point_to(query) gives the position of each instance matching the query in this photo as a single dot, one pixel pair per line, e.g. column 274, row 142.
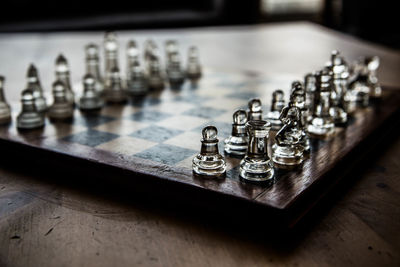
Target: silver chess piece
column 209, row 162
column 90, row 100
column 321, row 124
column 93, row 65
column 255, row 110
column 155, row 77
column 35, row 85
column 256, row 165
column 310, row 91
column 30, row 117
column 5, row 110
column 136, row 79
column 175, row 73
column 193, row 70
column 171, row 48
column 337, row 66
column 114, row 91
column 150, row 50
column 62, row 109
column 63, row 75
column 278, row 102
column 236, row 144
column 110, row 54
column 298, row 99
column 288, row 148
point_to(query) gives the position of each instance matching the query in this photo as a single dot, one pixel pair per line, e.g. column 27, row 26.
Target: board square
column 92, row 120
column 182, row 122
column 175, row 107
column 156, row 133
column 121, row 127
column 126, row 145
column 204, row 112
column 90, row 138
column 153, row 116
column 166, row 154
column 189, row 140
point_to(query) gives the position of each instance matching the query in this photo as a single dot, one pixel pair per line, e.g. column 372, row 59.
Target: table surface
column 44, row 223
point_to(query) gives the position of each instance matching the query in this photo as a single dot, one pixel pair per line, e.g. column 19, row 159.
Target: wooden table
column 48, row 223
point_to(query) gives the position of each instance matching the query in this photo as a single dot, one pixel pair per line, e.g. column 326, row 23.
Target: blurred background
column 371, row 20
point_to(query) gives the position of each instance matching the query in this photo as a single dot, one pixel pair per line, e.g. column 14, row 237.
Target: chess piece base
column 30, row 120
column 61, row 111
column 236, row 145
column 321, row 127
column 90, row 104
column 287, row 155
column 211, row 166
column 256, row 170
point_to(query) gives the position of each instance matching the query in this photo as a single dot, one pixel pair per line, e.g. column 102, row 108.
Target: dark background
column 369, row 19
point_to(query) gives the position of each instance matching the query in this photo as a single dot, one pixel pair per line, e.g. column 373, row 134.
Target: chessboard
column 153, row 140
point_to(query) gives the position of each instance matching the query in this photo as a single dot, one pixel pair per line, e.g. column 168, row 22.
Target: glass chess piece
column 193, row 70
column 209, row 162
column 93, row 66
column 176, row 75
column 61, row 109
column 321, row 124
column 114, row 92
column 256, row 165
column 255, row 110
column 110, row 55
column 36, row 87
column 30, row 117
column 150, row 52
column 236, row 144
column 137, row 82
column 372, row 66
column 63, row 75
column 288, row 148
column 278, row 102
column 310, row 91
column 337, row 66
column 5, row 110
column 155, row 77
column 90, row 100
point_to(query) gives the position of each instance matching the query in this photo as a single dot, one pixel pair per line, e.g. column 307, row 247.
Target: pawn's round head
column 110, row 41
column 61, row 64
column 240, row 117
column 277, row 95
column 1, row 81
column 32, row 71
column 255, row 105
column 92, row 50
column 27, row 95
column 210, row 133
column 58, row 87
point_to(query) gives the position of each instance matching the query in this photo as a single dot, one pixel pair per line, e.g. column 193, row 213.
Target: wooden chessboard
column 153, row 140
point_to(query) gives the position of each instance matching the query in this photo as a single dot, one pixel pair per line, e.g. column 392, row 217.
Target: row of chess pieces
column 325, row 100
column 97, row 90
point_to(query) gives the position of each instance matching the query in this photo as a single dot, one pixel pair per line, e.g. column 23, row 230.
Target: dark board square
column 156, row 133
column 191, row 98
column 149, row 116
column 166, row 154
column 233, row 173
column 90, row 138
column 204, row 112
column 92, row 120
column 145, row 101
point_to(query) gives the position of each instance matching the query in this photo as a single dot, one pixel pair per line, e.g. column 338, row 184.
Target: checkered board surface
column 162, row 131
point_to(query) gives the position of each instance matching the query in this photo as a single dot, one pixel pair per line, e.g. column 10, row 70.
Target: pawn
column 176, row 75
column 30, row 117
column 255, row 110
column 236, row 144
column 309, row 88
column 137, row 82
column 90, row 100
column 93, row 66
column 155, row 78
column 62, row 109
column 110, row 53
column 288, row 149
column 62, row 74
column 5, row 111
column 278, row 102
column 209, row 162
column 114, row 91
column 193, row 70
column 36, row 87
column 321, row 124
column 372, row 66
column 256, row 165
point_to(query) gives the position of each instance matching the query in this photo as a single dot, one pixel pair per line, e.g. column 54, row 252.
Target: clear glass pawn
column 278, row 102
column 61, row 109
column 209, row 162
column 310, row 91
column 255, row 110
column 93, row 66
column 256, row 165
column 155, row 77
column 63, row 75
column 90, row 100
column 114, row 91
column 176, row 75
column 5, row 110
column 236, row 144
column 193, row 70
column 36, row 87
column 110, row 54
column 30, row 117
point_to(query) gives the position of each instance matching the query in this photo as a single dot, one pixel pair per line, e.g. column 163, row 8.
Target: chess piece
column 321, row 125
column 62, row 109
column 255, row 110
column 193, row 70
column 288, row 148
column 62, row 74
column 5, row 111
column 176, row 75
column 34, row 84
column 337, row 66
column 114, row 91
column 132, row 54
column 137, row 82
column 155, row 78
column 209, row 162
column 256, row 165
column 150, row 51
column 90, row 100
column 110, row 54
column 171, row 48
column 236, row 144
column 30, row 117
column 375, row 88
column 93, row 66
column 278, row 102
column 310, row 90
